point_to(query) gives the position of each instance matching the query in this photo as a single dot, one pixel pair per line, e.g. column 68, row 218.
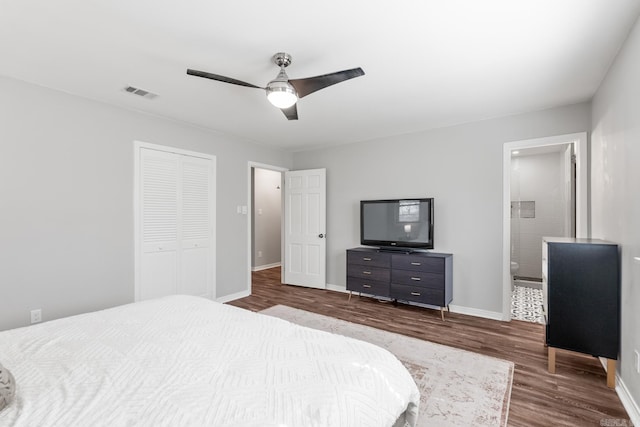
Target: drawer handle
column 416, row 263
column 415, row 294
column 416, row 279
column 366, row 286
column 366, row 259
column 366, row 272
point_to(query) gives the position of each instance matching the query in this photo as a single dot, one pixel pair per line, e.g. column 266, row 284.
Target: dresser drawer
column 418, row 263
column 417, row 278
column 374, row 259
column 418, row 294
column 368, row 286
column 369, row 273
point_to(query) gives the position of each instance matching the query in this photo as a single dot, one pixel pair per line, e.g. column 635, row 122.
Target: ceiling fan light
column 281, row 94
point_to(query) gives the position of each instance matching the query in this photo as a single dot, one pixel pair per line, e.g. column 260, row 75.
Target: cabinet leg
column 551, row 352
column 611, row 373
column 350, row 296
column 442, row 313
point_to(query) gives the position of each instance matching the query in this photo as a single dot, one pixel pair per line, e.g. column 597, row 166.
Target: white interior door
column 305, row 228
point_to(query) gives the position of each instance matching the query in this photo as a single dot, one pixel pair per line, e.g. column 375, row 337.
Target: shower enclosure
column 542, row 204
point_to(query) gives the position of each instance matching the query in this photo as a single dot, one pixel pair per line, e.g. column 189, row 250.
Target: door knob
column 321, row 235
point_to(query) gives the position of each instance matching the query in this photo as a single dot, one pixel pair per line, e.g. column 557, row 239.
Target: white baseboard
column 337, row 288
column 454, row 308
column 493, row 315
column 633, row 410
column 266, row 266
column 233, row 297
column 630, row 405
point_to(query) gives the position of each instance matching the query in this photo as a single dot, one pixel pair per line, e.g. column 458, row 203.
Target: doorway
column 302, row 227
column 522, row 234
column 265, row 218
column 542, row 204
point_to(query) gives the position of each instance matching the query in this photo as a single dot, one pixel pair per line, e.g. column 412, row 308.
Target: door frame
column 579, row 141
column 282, row 170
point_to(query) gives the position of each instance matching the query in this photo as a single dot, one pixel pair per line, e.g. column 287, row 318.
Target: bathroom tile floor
column 526, row 304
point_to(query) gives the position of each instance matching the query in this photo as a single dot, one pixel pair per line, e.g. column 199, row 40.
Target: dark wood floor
column 577, row 395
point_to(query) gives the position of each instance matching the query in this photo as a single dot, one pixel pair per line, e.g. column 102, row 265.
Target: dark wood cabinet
column 581, row 298
column 418, row 277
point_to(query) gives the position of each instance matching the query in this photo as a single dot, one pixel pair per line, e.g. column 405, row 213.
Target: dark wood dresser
column 416, row 277
column 581, row 298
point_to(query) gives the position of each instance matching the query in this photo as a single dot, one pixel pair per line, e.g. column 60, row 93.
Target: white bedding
column 187, row 361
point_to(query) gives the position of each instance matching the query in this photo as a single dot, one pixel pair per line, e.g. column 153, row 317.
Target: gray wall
column 267, row 215
column 66, row 194
column 615, row 188
column 461, row 167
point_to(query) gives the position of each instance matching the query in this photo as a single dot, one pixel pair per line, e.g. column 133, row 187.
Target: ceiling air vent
column 140, row 92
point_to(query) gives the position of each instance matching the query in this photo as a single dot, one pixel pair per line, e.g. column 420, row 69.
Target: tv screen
column 398, row 223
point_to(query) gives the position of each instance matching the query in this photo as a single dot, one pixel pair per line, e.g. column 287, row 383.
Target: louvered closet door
column 196, row 227
column 176, row 225
column 159, row 221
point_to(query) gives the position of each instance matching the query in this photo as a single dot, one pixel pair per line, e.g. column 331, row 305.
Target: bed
column 189, row 361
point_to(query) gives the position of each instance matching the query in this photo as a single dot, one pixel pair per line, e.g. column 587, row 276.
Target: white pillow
column 7, row 387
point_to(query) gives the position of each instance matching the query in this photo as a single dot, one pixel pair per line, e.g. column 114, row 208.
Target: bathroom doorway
column 542, row 204
column 545, row 194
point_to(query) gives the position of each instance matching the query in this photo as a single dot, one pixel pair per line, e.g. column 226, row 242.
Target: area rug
column 457, row 387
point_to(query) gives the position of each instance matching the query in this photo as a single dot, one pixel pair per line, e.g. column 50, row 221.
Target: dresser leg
column 442, row 313
column 350, row 296
column 611, row 373
column 551, row 352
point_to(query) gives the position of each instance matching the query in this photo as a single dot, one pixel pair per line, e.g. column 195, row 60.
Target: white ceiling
column 428, row 63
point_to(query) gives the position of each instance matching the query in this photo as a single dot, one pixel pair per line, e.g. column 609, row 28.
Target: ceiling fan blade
column 309, row 85
column 220, row 78
column 291, row 113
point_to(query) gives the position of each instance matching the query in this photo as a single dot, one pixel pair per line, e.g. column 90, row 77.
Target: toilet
column 514, row 270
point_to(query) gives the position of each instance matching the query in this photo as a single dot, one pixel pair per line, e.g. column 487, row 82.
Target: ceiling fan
column 283, row 92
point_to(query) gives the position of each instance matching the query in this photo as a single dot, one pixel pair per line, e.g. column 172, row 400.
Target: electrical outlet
column 259, row 254
column 36, row 316
column 636, row 356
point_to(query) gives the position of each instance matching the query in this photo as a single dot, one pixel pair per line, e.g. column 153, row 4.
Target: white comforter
column 187, row 361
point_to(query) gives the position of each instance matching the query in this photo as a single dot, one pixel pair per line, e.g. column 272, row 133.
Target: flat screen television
column 401, row 224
